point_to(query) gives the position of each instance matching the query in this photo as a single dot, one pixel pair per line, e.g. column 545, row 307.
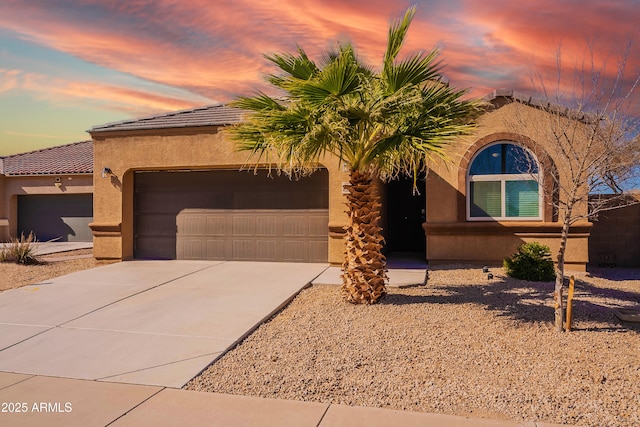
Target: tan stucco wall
column 13, row 186
column 450, row 237
column 180, row 150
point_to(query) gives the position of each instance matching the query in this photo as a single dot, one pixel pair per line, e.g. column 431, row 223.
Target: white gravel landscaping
column 462, row 345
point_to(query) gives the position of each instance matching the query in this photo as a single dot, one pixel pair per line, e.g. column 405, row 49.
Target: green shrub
column 531, row 262
column 20, row 251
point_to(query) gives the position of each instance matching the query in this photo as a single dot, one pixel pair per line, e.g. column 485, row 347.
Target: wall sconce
column 106, row 171
column 57, row 182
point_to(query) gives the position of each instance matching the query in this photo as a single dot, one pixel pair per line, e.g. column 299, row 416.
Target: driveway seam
column 26, row 339
column 106, row 379
column 324, row 414
column 19, row 382
column 136, row 406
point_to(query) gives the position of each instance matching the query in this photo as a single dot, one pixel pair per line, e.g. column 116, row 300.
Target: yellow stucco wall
column 125, row 153
column 13, row 186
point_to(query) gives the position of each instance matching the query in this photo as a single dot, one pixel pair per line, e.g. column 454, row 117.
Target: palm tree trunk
column 364, row 272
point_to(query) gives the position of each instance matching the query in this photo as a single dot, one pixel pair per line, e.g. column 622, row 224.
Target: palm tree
column 380, row 124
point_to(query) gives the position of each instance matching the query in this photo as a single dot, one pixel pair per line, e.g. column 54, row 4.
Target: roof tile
column 211, row 115
column 64, row 159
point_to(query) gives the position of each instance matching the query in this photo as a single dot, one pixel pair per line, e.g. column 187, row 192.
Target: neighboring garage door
column 231, row 215
column 63, row 217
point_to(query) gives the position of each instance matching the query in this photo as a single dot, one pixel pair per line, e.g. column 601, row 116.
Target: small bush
column 20, row 251
column 531, row 262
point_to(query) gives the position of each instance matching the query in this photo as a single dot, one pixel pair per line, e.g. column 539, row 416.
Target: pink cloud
column 9, row 79
column 59, row 91
column 534, row 34
column 215, row 48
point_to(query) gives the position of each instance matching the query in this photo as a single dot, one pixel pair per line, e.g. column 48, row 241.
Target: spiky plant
column 380, row 123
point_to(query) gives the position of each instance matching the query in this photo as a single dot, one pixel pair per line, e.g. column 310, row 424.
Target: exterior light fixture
column 57, row 182
column 106, row 171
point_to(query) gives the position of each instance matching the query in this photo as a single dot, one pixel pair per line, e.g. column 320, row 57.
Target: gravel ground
column 462, row 345
column 17, row 275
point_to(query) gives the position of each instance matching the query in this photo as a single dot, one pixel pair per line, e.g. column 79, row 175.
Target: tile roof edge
column 105, row 126
column 540, row 103
column 45, row 149
column 58, row 173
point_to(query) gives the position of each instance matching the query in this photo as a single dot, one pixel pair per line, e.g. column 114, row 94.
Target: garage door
column 64, row 217
column 231, row 215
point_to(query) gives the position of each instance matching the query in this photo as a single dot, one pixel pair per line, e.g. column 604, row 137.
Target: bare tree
column 592, row 149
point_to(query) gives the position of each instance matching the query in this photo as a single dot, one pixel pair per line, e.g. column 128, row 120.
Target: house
column 48, row 192
column 481, row 207
column 171, row 187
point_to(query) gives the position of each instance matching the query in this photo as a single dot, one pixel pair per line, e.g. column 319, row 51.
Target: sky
column 68, row 65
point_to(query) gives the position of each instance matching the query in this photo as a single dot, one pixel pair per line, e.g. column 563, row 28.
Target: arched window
column 503, row 184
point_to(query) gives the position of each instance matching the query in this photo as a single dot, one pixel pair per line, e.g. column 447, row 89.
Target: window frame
column 503, row 179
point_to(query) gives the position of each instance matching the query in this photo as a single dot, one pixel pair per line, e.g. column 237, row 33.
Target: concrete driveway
column 141, row 322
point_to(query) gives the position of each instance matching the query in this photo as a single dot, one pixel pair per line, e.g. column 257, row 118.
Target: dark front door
column 405, row 215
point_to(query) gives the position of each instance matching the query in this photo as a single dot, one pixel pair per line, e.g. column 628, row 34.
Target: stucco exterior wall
column 183, row 149
column 450, row 237
column 13, row 186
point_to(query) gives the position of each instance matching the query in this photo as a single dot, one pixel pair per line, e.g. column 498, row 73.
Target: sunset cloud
column 63, row 92
column 213, row 51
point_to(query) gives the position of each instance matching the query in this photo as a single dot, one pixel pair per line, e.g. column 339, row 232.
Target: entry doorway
column 405, row 214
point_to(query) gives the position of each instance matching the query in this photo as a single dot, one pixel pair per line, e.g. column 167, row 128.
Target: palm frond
column 336, row 79
column 259, row 102
column 397, row 34
column 297, row 66
column 414, row 70
column 387, row 123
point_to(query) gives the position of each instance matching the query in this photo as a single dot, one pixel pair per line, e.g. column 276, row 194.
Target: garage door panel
column 218, row 249
column 157, row 224
column 192, row 224
column 156, row 247
column 244, row 250
column 295, row 250
column 295, row 225
column 243, row 225
column 230, row 215
column 318, row 225
column 267, row 225
column 318, row 251
column 266, row 250
column 191, row 248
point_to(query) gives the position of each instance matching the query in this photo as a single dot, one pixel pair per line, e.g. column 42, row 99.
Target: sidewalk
column 70, row 402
